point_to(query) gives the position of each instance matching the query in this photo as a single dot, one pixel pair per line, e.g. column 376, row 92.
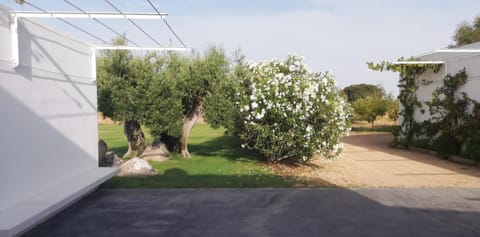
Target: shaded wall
column 48, row 125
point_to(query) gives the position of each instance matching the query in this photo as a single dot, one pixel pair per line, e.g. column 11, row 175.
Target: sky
column 335, row 35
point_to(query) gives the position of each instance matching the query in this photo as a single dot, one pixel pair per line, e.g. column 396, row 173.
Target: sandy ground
column 369, row 161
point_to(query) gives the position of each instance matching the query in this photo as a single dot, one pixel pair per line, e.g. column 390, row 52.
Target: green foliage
column 185, row 82
column 163, row 105
column 362, row 91
column 121, row 82
column 289, row 112
column 454, row 125
column 393, row 108
column 370, row 108
column 467, row 33
column 409, row 75
column 220, row 109
column 217, row 162
column 160, row 91
column 454, row 122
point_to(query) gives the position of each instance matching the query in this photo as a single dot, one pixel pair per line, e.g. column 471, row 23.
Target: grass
column 113, row 135
column 379, row 128
column 382, row 124
column 217, row 161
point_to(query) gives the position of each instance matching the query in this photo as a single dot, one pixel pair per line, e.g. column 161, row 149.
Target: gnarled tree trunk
column 135, row 138
column 188, row 122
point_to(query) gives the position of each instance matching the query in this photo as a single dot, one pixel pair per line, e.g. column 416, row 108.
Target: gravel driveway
column 368, row 160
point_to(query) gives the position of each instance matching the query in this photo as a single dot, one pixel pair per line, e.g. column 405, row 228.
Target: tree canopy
column 362, row 91
column 182, row 88
column 467, row 33
column 370, row 108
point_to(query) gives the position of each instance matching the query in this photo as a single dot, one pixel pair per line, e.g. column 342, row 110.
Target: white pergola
column 440, row 56
column 97, row 17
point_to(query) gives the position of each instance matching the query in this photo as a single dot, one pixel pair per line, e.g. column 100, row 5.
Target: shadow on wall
column 269, row 212
column 48, row 57
column 34, row 154
column 4, row 19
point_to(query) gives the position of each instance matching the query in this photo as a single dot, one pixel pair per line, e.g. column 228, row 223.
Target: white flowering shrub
column 290, row 112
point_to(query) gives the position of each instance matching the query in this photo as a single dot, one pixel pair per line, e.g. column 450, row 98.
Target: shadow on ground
column 226, row 146
column 270, row 212
column 178, row 178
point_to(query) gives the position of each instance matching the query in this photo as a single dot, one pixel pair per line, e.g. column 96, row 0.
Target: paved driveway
column 271, row 212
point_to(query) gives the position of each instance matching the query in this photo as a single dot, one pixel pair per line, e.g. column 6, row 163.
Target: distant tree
column 467, row 33
column 362, row 91
column 369, row 108
column 393, row 107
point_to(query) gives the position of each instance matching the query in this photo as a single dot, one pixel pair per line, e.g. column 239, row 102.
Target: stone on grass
column 102, row 149
column 155, row 152
column 112, row 159
column 136, row 167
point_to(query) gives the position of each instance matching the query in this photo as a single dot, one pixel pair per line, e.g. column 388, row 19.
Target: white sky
column 336, row 35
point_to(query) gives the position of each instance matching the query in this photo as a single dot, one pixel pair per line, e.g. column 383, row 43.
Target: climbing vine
column 454, row 125
column 409, row 75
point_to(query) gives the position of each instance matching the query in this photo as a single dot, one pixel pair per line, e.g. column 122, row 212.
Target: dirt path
column 369, row 161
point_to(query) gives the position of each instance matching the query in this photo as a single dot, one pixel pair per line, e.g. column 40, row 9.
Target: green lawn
column 217, row 161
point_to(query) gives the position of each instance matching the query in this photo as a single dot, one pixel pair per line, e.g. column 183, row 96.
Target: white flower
column 254, row 105
column 292, row 68
column 259, row 116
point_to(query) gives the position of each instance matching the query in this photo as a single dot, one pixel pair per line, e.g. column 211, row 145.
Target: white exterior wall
column 48, row 122
column 472, row 66
column 424, row 92
column 472, row 88
column 48, row 111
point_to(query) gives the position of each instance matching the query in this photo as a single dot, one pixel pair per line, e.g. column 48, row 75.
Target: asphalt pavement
column 336, row 212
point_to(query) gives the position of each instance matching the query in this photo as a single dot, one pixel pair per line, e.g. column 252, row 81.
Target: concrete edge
column 66, row 199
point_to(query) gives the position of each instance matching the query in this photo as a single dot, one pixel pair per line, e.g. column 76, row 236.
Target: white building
column 452, row 60
column 48, row 123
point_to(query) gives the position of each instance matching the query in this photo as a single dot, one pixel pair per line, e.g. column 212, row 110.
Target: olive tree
column 120, row 76
column 182, row 89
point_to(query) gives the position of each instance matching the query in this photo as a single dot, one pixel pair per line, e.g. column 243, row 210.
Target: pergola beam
column 86, row 15
column 122, row 47
column 417, row 62
column 97, row 15
column 457, row 51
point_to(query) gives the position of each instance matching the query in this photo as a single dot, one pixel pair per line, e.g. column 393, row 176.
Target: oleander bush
column 289, row 112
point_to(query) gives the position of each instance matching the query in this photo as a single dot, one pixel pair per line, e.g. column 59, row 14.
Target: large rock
column 155, row 152
column 102, row 150
column 112, row 160
column 136, row 167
